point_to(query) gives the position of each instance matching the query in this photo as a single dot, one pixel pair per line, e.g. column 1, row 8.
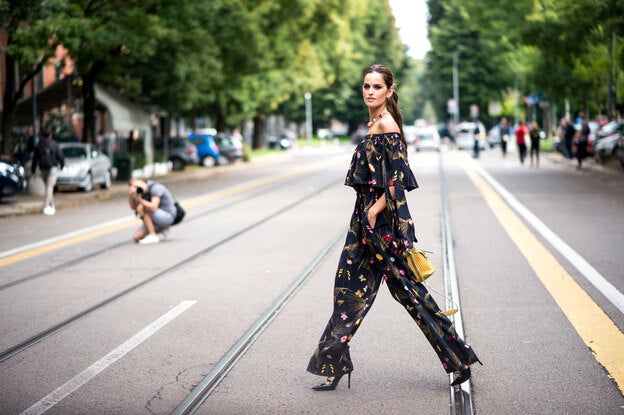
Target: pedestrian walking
column 48, row 157
column 568, row 137
column 155, row 205
column 381, row 230
column 476, row 138
column 581, row 145
column 534, row 134
column 504, row 131
column 522, row 134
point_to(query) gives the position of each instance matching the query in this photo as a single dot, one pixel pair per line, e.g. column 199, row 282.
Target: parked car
column 465, row 136
column 85, row 167
column 620, row 149
column 208, row 153
column 427, row 138
column 231, row 148
column 182, row 152
column 12, row 177
column 283, row 141
column 607, row 147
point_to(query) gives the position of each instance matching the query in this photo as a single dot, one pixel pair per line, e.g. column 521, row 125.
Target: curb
column 27, row 204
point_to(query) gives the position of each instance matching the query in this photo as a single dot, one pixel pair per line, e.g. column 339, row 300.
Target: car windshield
column 75, row 152
column 224, row 141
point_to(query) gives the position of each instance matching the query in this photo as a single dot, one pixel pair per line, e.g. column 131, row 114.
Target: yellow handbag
column 422, row 269
column 420, row 265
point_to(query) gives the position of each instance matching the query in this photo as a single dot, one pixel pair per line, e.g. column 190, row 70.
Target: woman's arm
column 379, row 206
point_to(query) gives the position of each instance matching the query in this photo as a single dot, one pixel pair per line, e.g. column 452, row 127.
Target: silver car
column 427, row 138
column 85, row 167
column 466, row 134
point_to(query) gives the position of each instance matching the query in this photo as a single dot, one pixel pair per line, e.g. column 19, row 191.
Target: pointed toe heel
column 461, row 376
column 330, row 385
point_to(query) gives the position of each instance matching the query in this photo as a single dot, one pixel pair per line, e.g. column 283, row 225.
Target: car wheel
column 598, row 158
column 107, row 180
column 208, row 161
column 223, row 161
column 177, row 164
column 89, row 185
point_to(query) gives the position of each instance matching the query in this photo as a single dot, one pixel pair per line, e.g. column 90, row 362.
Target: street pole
column 455, row 87
column 308, row 106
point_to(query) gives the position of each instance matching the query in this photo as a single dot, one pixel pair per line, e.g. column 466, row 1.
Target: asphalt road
column 134, row 329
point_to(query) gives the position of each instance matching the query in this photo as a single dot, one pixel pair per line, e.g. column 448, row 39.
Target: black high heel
column 332, row 383
column 461, row 376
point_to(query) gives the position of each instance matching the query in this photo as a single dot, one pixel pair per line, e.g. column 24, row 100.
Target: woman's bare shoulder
column 387, row 124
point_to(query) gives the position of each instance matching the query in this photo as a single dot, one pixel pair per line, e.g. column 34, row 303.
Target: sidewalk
column 611, row 167
column 28, row 203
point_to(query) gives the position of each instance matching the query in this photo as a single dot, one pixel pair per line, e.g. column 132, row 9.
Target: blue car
column 207, row 149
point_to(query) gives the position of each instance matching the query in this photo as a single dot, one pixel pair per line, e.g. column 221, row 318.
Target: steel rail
column 461, row 397
column 201, row 392
column 26, row 344
column 75, row 261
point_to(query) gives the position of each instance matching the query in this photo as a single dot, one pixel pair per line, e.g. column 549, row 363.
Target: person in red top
column 522, row 132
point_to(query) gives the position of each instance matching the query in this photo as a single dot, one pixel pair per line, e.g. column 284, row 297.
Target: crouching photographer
column 155, row 205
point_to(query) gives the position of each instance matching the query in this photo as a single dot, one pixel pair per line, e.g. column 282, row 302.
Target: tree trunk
column 258, row 132
column 8, row 106
column 88, row 94
column 221, row 125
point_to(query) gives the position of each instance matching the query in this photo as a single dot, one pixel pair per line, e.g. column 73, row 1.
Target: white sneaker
column 150, row 239
column 164, row 234
column 49, row 210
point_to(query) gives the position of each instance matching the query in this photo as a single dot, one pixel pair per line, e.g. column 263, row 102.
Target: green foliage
column 557, row 49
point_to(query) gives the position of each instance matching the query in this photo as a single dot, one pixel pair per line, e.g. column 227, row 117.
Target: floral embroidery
column 376, row 255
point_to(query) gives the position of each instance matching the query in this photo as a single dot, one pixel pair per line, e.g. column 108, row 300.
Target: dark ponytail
column 392, row 103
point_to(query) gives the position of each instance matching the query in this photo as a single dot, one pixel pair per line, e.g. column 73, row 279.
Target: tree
column 555, row 49
column 109, row 36
column 32, row 30
column 482, row 33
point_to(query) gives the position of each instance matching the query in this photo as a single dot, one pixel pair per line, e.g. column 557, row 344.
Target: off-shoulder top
column 380, row 160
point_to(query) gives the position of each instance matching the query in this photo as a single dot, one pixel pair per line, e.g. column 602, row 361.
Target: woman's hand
column 378, row 207
column 372, row 217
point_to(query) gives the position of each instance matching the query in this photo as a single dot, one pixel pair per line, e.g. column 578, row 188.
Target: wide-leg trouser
column 366, row 262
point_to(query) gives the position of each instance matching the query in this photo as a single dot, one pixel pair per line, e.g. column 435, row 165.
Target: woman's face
column 374, row 90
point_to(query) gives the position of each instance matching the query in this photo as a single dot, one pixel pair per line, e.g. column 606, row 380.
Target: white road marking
column 585, row 268
column 89, row 373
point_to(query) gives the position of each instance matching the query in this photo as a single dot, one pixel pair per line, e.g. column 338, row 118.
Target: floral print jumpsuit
column 373, row 255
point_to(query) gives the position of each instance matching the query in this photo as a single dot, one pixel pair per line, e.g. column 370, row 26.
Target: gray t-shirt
column 166, row 198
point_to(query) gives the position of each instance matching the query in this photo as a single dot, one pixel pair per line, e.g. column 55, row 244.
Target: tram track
column 44, row 334
column 104, row 250
column 460, row 397
column 208, row 384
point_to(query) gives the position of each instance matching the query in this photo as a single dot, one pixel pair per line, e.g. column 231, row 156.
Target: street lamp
column 455, row 87
column 308, row 106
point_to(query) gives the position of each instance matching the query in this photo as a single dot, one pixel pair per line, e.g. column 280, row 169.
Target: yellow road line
column 30, row 253
column 596, row 329
column 202, row 200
